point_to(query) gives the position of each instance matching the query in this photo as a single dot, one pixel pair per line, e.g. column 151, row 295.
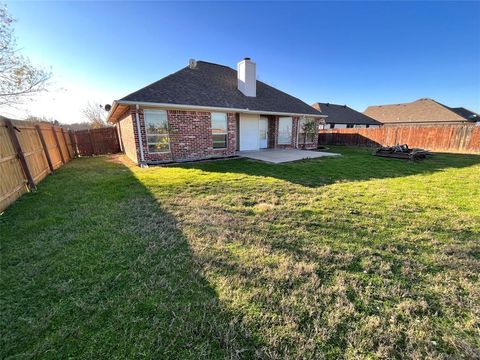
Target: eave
column 119, row 107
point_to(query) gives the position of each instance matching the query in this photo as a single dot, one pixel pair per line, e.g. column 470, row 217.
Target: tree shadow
column 355, row 164
column 94, row 267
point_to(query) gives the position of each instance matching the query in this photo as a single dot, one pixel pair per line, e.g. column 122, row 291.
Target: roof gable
column 342, row 114
column 216, row 86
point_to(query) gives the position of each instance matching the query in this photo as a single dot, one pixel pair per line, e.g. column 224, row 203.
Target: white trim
column 209, row 108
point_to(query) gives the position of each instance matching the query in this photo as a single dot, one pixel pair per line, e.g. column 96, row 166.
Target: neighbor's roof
column 342, row 114
column 467, row 114
column 422, row 110
column 213, row 85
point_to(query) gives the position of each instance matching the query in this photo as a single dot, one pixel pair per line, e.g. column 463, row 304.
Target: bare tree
column 96, row 115
column 42, row 119
column 18, row 78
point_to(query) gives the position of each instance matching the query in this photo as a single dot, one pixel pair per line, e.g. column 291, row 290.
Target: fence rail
column 453, row 138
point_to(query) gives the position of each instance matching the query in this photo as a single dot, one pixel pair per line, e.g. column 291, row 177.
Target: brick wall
column 190, row 135
column 293, row 144
column 127, row 137
column 272, row 132
column 314, row 143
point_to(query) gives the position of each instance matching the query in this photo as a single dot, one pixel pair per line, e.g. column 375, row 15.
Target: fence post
column 45, row 149
column 58, row 144
column 21, row 157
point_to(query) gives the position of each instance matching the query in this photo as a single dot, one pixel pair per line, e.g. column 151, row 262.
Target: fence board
column 62, row 144
column 32, row 149
column 68, row 142
column 12, row 182
column 454, row 138
column 51, row 145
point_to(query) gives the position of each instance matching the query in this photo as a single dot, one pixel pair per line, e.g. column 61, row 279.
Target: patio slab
column 278, row 156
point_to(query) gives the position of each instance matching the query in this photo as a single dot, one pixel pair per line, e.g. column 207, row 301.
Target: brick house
column 207, row 110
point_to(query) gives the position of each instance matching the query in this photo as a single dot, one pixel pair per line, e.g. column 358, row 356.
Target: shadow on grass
column 93, row 267
column 356, row 164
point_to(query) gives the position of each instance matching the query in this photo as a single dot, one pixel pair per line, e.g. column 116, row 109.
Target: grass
column 355, row 257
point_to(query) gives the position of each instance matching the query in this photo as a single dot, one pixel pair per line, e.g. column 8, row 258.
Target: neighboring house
column 342, row 117
column 421, row 112
column 206, row 111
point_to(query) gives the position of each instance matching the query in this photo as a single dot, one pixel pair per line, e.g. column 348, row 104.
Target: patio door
column 263, row 132
column 249, row 134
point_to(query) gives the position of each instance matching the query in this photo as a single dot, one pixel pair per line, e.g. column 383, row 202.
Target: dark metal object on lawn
column 402, row 152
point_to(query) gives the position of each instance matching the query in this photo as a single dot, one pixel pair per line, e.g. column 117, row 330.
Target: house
column 208, row 110
column 342, row 116
column 421, row 112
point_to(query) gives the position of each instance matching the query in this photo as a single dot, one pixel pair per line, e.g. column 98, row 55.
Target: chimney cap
column 247, row 58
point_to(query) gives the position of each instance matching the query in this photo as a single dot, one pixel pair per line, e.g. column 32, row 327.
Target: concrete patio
column 278, row 156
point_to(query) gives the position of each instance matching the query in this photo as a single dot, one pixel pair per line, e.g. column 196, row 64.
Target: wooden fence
column 96, row 141
column 449, row 138
column 28, row 153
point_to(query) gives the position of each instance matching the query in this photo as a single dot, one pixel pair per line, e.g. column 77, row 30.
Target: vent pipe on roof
column 247, row 77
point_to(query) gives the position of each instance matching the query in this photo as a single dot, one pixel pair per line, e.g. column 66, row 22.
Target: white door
column 263, row 132
column 249, row 139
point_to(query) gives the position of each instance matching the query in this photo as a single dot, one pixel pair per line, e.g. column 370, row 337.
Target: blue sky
column 355, row 53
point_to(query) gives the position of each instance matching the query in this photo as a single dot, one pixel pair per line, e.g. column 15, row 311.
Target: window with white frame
column 285, row 125
column 156, row 128
column 219, row 130
column 307, row 131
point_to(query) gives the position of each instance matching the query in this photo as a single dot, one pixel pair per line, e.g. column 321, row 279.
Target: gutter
column 195, row 107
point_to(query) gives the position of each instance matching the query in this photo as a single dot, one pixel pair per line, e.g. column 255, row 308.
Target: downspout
column 140, row 142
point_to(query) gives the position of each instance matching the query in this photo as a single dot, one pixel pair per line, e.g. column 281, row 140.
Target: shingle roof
column 342, row 114
column 422, row 110
column 215, row 85
column 467, row 114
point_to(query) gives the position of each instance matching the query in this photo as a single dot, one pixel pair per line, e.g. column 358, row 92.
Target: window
column 156, row 127
column 349, row 126
column 367, row 126
column 219, row 130
column 307, row 131
column 285, row 130
column 332, row 126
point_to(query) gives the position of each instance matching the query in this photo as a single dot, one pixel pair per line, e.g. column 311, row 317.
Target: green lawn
column 351, row 257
